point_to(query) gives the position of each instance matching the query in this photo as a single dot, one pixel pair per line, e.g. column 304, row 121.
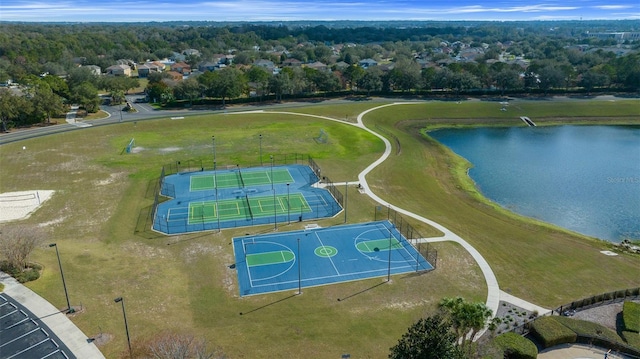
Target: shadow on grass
column 362, row 291
column 269, row 304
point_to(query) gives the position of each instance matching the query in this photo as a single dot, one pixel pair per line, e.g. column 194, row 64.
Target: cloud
column 612, row 7
column 272, row 10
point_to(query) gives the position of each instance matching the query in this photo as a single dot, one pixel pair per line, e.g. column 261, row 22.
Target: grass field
column 185, row 283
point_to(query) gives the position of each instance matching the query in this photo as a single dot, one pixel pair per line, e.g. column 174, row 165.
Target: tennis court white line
column 251, row 280
column 381, row 270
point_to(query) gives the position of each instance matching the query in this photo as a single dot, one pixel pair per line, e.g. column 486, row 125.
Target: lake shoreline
column 460, row 168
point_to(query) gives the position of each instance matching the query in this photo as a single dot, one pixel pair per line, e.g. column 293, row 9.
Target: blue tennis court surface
column 235, row 197
column 308, row 258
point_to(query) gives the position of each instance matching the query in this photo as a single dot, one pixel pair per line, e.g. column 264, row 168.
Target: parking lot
column 22, row 335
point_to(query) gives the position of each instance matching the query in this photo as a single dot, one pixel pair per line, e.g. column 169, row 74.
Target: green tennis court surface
column 254, row 207
column 239, row 179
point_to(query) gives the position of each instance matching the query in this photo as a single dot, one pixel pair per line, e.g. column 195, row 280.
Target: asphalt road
column 143, row 112
column 147, row 112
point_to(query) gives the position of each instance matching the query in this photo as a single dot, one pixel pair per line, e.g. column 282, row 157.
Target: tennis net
column 249, row 206
column 241, row 179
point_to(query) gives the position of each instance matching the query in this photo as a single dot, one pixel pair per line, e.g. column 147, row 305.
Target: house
column 266, row 64
column 181, row 67
column 191, row 52
column 153, row 66
column 176, row 76
column 176, row 56
column 127, row 62
column 119, row 70
column 96, row 70
column 341, row 65
column 317, row 66
column 143, row 70
column 366, row 63
column 208, row 66
column 292, row 63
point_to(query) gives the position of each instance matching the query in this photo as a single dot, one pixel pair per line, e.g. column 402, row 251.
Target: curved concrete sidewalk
column 579, row 351
column 77, row 342
column 493, row 290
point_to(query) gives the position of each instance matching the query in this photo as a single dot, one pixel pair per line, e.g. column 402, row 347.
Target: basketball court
column 298, row 259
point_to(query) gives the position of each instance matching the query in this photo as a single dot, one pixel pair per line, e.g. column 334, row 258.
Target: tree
column 353, row 74
column 179, row 346
column 18, row 241
column 159, row 92
column 86, row 95
column 81, row 75
column 226, row 83
column 174, row 345
column 466, row 318
column 371, row 81
column 188, row 89
column 428, row 338
column 405, row 75
column 507, row 79
column 280, row 84
column 46, row 102
column 592, row 79
column 8, row 108
column 260, row 76
column 550, row 77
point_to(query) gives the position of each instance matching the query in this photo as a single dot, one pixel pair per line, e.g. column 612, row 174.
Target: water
column 583, row 178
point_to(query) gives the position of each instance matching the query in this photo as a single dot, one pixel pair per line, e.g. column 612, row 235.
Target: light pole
column 126, row 327
column 288, row 206
column 389, row 270
column 299, row 277
column 260, row 136
column 64, row 284
column 213, row 140
column 275, row 212
column 271, row 156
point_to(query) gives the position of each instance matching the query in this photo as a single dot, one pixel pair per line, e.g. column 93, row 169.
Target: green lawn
column 185, row 282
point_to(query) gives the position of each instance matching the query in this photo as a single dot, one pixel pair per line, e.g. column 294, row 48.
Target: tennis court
column 240, row 197
column 285, row 261
column 239, row 178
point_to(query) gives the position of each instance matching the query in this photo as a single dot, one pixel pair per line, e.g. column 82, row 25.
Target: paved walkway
column 63, row 327
column 578, row 351
column 71, row 118
column 493, row 290
column 494, row 294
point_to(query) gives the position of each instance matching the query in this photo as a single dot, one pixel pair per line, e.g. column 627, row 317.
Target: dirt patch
column 101, row 339
column 169, row 149
column 113, row 177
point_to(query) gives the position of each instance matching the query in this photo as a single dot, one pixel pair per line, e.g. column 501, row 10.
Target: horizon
column 87, row 11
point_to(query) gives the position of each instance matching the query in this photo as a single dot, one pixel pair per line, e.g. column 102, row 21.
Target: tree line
column 45, row 60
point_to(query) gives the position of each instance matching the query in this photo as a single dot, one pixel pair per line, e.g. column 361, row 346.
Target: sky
column 297, row 10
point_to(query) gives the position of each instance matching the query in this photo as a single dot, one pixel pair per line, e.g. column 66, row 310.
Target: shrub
column 631, row 316
column 589, row 329
column 1, row 287
column 550, row 332
column 632, row 339
column 28, row 274
column 515, row 346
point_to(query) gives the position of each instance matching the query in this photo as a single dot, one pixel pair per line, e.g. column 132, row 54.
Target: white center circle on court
column 325, row 251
